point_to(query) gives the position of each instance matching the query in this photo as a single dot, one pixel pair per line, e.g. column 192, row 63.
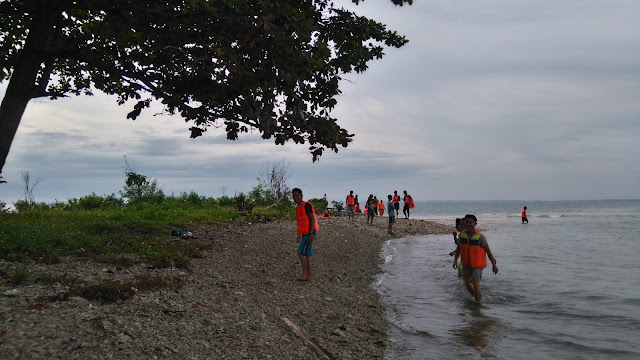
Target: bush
column 338, row 205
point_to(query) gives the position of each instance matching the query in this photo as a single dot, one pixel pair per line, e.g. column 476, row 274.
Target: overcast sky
column 490, row 100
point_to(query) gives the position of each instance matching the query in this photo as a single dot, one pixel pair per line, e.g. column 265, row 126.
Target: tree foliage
column 240, row 65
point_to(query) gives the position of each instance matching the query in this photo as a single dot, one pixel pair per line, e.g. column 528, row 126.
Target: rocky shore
column 228, row 304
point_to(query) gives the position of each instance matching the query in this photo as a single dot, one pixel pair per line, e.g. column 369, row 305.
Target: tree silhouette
column 238, row 65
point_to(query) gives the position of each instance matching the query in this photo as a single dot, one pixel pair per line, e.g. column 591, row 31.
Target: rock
column 11, row 293
column 124, row 338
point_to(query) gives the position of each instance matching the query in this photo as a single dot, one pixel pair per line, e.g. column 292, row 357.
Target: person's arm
column 312, row 221
column 455, row 259
column 490, row 255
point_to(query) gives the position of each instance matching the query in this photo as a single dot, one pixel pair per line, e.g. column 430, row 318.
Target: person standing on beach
column 351, row 203
column 307, row 230
column 408, row 201
column 392, row 215
column 474, row 250
column 396, row 202
column 523, row 213
column 371, row 213
column 376, row 204
column 381, row 207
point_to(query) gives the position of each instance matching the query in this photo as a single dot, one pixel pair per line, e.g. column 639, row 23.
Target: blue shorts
column 392, row 219
column 474, row 271
column 350, row 208
column 305, row 248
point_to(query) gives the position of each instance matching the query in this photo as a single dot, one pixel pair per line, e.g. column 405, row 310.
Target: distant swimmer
column 524, row 215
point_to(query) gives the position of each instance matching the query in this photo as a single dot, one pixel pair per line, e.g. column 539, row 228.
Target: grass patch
column 103, row 229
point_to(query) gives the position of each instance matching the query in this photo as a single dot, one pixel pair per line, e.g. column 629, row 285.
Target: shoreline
column 230, row 305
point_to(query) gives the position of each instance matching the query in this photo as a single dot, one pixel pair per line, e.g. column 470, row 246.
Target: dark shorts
column 406, row 207
column 525, row 219
column 396, row 206
column 306, row 248
column 392, row 219
column 370, row 214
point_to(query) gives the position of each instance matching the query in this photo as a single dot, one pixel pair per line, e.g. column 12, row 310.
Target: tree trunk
column 22, row 85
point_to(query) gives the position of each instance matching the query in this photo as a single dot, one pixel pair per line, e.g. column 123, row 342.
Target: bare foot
column 302, row 278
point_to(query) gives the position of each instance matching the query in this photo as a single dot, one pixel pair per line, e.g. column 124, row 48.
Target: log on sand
column 321, row 352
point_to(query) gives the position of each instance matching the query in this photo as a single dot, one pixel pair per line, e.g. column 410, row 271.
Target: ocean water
column 568, row 285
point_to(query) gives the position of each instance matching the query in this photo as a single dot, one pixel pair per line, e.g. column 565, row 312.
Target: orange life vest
column 351, row 200
column 523, row 213
column 470, row 250
column 396, row 199
column 303, row 218
column 381, row 205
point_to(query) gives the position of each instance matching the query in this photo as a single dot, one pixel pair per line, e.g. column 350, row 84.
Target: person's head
column 525, row 208
column 405, row 192
column 458, row 224
column 471, row 221
column 389, row 197
column 395, row 192
column 297, row 195
column 375, row 197
column 351, row 192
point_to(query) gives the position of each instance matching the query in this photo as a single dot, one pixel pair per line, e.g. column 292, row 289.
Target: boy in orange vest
column 474, row 250
column 307, row 230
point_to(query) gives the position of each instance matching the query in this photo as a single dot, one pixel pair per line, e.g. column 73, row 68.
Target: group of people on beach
column 472, row 248
column 308, row 221
column 375, row 207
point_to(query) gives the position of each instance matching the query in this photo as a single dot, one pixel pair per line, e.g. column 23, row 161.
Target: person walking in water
column 523, row 213
column 307, row 230
column 474, row 250
column 351, row 203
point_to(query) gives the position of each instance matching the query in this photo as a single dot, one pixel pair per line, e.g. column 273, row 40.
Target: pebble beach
column 231, row 301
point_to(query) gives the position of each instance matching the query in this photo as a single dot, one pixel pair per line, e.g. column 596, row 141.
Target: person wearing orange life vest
column 381, row 207
column 307, row 230
column 474, row 250
column 351, row 203
column 371, row 213
column 396, row 202
column 523, row 213
column 408, row 204
column 376, row 204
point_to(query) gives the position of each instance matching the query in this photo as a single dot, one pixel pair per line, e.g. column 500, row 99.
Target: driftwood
column 321, row 352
